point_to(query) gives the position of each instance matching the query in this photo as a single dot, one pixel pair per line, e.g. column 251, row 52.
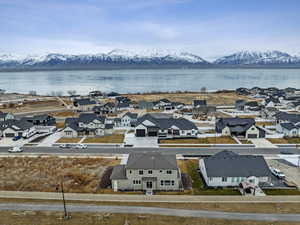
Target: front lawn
column 114, row 138
column 282, row 192
column 284, row 140
column 199, row 188
column 208, row 140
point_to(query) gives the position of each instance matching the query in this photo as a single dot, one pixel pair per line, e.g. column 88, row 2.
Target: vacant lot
column 114, row 138
column 64, row 114
column 284, row 140
column 68, row 140
column 209, row 140
column 45, row 173
column 187, row 98
column 51, row 218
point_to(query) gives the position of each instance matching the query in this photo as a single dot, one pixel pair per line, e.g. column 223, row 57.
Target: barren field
column 114, row 138
column 187, row 98
column 45, row 173
column 51, row 218
column 208, row 140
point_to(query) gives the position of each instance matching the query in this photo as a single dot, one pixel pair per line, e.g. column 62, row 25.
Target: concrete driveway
column 262, row 143
column 131, row 139
column 50, row 140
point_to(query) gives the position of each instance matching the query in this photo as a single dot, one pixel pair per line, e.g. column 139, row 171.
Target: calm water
column 129, row 81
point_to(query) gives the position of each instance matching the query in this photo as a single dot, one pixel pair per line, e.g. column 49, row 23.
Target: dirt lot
column 209, row 140
column 291, row 172
column 51, row 218
column 68, row 140
column 187, row 98
column 284, row 140
column 114, row 138
column 45, row 173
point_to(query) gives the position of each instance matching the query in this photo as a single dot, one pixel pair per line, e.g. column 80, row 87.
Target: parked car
column 277, row 173
column 15, row 150
column 81, row 146
column 65, row 146
column 16, row 138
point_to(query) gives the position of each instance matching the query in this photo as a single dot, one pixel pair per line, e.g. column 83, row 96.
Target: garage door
column 252, row 135
column 9, row 134
column 140, row 133
column 152, row 133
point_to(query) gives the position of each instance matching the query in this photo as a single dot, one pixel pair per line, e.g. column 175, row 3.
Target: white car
column 15, row 150
column 277, row 173
column 81, row 146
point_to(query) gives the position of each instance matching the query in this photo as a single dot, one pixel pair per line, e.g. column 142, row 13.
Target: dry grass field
column 208, row 140
column 187, row 98
column 64, row 114
column 114, row 138
column 55, row 218
column 284, row 140
column 45, row 173
column 68, row 140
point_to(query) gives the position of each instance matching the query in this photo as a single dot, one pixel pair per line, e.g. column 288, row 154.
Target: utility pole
column 66, row 216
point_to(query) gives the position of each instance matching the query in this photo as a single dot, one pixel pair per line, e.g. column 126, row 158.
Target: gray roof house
column 239, row 127
column 164, row 126
column 151, row 171
column 13, row 128
column 87, row 124
column 6, row 116
column 229, row 169
column 129, row 119
column 198, row 103
column 84, row 104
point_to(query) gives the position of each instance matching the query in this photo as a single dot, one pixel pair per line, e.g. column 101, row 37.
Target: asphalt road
column 153, row 211
column 121, row 150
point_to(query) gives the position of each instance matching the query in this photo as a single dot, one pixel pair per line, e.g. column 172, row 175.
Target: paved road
column 153, row 211
column 119, row 150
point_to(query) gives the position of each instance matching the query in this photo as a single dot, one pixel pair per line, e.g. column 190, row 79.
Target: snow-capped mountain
column 114, row 57
column 258, row 58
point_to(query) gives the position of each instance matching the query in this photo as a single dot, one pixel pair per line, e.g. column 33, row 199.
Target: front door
column 149, row 184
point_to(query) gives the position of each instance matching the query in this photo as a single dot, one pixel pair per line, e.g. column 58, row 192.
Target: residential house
column 84, row 104
column 164, row 126
column 121, row 106
column 244, row 127
column 107, row 108
column 204, row 112
column 14, row 128
column 271, row 102
column 199, row 103
column 43, row 123
column 288, row 124
column 240, row 104
column 6, row 116
column 145, row 105
column 229, row 169
column 149, row 172
column 129, row 119
column 87, row 124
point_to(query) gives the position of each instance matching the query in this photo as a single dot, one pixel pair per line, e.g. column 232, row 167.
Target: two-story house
column 84, row 104
column 129, row 119
column 88, row 124
column 151, row 171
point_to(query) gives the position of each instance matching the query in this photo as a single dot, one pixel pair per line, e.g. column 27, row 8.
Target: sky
column 210, row 28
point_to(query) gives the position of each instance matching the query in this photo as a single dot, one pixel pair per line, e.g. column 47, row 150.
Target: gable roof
column 199, row 102
column 229, row 164
column 292, row 118
column 289, row 126
column 235, row 124
column 89, row 117
column 85, row 101
column 131, row 115
column 16, row 125
column 165, row 121
column 151, row 160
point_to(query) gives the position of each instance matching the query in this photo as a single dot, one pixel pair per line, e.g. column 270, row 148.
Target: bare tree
column 203, row 89
column 71, row 92
column 32, row 93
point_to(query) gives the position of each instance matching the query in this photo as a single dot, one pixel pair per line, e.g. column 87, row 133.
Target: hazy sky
column 209, row 28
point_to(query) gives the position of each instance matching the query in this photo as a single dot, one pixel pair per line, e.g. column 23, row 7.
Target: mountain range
column 151, row 59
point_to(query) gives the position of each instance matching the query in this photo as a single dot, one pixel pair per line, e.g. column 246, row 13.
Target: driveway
column 152, row 211
column 262, row 143
column 131, row 139
column 50, row 140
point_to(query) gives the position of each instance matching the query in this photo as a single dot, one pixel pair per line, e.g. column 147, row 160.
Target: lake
column 146, row 80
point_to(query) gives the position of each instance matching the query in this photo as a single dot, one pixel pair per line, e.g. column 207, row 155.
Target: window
column 173, row 182
column 224, row 179
column 141, row 172
column 130, row 171
column 160, row 171
column 161, row 183
column 149, row 171
column 167, row 183
column 210, row 179
column 169, row 171
column 136, row 182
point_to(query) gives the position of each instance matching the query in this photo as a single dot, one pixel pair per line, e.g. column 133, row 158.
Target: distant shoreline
column 147, row 67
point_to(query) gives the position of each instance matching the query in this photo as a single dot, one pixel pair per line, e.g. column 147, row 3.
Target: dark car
column 16, row 138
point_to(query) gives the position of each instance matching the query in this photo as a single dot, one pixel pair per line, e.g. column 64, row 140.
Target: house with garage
column 104, row 109
column 6, row 116
column 129, row 119
column 164, row 126
column 84, row 104
column 199, row 103
column 240, row 127
column 43, row 123
column 271, row 102
column 87, row 124
column 151, row 171
column 13, row 128
column 229, row 169
column 288, row 124
column 121, row 106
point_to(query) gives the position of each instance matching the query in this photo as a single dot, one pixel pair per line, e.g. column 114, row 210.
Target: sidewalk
column 145, row 198
column 262, row 143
